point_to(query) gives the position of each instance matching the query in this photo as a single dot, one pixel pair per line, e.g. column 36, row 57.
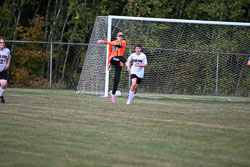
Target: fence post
column 217, row 75
column 50, row 66
column 129, row 76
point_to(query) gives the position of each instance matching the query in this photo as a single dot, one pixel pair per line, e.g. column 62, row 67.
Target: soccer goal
column 185, row 57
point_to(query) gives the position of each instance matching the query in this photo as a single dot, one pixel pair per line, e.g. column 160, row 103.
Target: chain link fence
column 37, row 64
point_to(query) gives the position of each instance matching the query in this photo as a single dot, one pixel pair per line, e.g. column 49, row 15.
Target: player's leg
column 136, row 88
column 3, row 83
column 132, row 88
column 122, row 60
column 135, row 91
column 118, row 70
column 115, row 60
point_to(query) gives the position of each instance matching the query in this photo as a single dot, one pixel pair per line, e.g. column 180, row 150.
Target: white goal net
column 185, row 57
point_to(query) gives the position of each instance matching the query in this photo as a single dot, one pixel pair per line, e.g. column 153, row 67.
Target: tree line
column 73, row 20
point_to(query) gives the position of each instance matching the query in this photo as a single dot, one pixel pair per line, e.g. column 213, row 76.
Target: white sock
column 130, row 95
column 133, row 96
column 2, row 91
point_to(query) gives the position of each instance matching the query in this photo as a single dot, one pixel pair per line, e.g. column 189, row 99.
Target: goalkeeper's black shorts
column 117, row 59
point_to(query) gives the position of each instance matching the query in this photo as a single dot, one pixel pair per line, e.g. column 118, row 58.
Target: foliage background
column 73, row 20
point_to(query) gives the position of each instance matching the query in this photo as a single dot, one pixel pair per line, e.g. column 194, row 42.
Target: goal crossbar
column 179, row 21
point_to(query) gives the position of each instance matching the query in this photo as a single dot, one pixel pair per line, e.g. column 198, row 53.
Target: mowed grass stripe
column 59, row 128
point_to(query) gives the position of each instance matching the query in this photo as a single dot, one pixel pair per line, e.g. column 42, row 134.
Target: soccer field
column 59, row 128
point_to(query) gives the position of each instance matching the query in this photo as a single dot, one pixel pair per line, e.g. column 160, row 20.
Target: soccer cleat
column 2, row 100
column 128, row 102
column 112, row 98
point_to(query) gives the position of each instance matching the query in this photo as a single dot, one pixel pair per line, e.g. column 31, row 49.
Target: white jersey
column 4, row 56
column 137, row 59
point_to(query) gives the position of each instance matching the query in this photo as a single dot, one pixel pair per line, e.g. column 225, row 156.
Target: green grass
column 62, row 129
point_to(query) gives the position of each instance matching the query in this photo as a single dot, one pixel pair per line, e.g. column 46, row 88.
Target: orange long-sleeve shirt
column 116, row 48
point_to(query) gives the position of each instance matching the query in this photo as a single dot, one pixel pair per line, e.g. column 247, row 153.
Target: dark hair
column 138, row 45
column 2, row 38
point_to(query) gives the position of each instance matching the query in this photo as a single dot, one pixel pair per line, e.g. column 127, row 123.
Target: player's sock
column 2, row 91
column 2, row 99
column 133, row 97
column 1, row 95
column 130, row 96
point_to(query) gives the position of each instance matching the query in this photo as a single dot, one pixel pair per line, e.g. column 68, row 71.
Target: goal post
column 187, row 57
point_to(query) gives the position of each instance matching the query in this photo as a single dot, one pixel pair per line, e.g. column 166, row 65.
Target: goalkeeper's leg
column 118, row 70
column 122, row 60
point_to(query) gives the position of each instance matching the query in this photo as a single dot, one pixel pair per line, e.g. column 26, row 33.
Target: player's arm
column 100, row 41
column 8, row 63
column 248, row 62
column 103, row 41
column 141, row 65
column 128, row 63
column 110, row 43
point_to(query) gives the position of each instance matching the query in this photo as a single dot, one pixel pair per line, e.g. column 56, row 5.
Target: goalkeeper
column 137, row 71
column 116, row 58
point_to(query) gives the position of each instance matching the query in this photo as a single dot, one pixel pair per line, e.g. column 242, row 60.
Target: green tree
column 28, row 64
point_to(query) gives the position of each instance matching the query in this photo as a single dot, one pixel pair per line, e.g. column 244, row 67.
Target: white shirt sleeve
column 145, row 60
column 128, row 61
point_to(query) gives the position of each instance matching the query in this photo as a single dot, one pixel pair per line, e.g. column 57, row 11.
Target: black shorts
column 138, row 81
column 3, row 75
column 116, row 60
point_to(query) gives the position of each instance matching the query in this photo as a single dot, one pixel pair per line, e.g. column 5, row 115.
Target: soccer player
column 116, row 58
column 137, row 71
column 248, row 62
column 4, row 65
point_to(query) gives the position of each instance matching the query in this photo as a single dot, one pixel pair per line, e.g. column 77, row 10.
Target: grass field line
column 110, row 117
column 176, row 121
column 32, row 153
column 194, row 97
column 42, row 109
